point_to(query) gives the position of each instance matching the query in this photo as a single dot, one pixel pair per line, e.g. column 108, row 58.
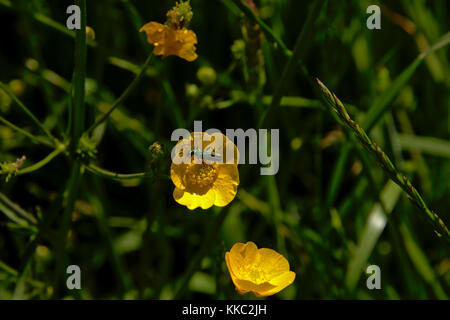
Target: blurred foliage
column 322, row 210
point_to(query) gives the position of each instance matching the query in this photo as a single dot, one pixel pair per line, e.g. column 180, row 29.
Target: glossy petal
column 170, row 41
column 261, row 271
column 177, row 172
column 204, row 178
column 242, row 255
column 273, row 263
column 244, row 286
column 279, row 284
column 186, row 49
column 156, row 33
column 226, row 184
column 192, row 201
column 228, row 150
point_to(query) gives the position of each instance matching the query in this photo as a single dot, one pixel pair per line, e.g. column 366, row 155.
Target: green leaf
column 374, row 227
column 381, row 104
column 420, row 261
column 430, row 145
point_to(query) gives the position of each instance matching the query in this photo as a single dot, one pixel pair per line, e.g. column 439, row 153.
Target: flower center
column 254, row 274
column 200, row 178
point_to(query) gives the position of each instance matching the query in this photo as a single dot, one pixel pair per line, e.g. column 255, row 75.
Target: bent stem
column 26, row 133
column 383, row 160
column 123, row 96
column 117, row 176
column 41, row 163
column 27, row 111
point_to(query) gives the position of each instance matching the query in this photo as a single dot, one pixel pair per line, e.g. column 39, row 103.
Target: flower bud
column 192, row 90
column 180, row 15
column 156, row 151
column 238, row 49
column 32, row 64
column 206, row 75
column 17, row 87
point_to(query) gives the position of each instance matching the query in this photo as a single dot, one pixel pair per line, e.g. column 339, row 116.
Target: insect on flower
column 206, row 155
column 209, row 181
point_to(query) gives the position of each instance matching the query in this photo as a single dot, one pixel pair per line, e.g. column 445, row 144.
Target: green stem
column 383, row 160
column 383, row 102
column 61, row 237
column 265, row 28
column 41, row 163
column 207, row 243
column 295, row 58
column 78, row 111
column 26, row 110
column 13, row 273
column 14, row 212
column 276, row 212
column 26, row 133
column 123, row 96
column 76, row 132
column 338, row 172
column 167, row 87
column 116, row 176
column 46, row 21
column 42, row 19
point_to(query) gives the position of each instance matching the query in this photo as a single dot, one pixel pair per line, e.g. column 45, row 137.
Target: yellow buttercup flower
column 261, row 271
column 202, row 181
column 173, row 38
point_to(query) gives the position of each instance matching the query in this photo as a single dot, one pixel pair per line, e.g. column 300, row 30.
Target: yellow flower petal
column 186, row 50
column 273, row 263
column 206, row 178
column 192, row 201
column 228, row 149
column 245, row 286
column 242, row 255
column 226, row 184
column 230, row 268
column 284, row 279
column 156, row 33
column 261, row 271
column 170, row 41
column 279, row 284
column 177, row 171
